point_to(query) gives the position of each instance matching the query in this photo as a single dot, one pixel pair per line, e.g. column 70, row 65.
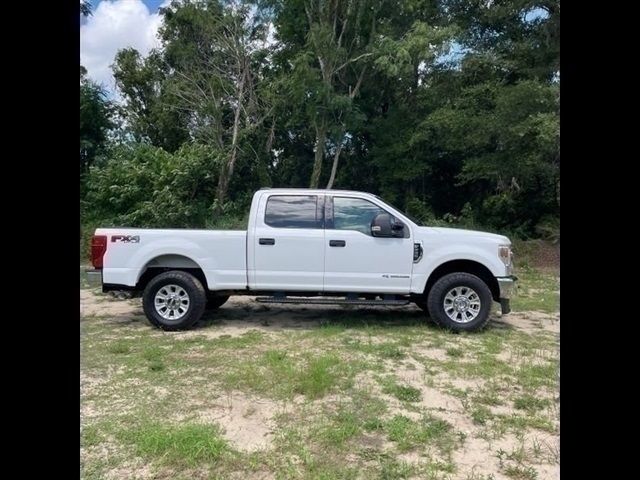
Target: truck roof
column 313, row 190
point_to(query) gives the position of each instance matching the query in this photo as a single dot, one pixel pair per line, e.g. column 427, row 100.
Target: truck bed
column 221, row 254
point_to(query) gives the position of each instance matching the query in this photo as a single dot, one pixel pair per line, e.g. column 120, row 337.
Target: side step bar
column 329, row 301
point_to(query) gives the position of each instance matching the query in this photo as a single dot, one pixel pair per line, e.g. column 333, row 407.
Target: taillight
column 98, row 249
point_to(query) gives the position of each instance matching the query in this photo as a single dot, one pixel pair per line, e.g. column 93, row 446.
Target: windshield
column 417, row 222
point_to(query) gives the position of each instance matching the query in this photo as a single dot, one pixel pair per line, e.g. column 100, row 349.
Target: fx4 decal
column 125, row 238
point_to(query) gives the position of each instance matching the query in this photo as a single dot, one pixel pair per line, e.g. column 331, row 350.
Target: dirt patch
column 481, row 457
column 93, row 305
column 130, row 470
column 247, row 422
column 530, row 322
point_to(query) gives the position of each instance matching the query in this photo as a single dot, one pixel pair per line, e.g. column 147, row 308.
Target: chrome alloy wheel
column 172, row 302
column 462, row 304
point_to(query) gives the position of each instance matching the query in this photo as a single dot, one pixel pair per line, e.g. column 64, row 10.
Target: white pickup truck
column 310, row 246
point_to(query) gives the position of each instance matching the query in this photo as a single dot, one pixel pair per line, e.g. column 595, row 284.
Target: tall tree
column 331, row 44
column 95, row 120
column 215, row 51
column 148, row 105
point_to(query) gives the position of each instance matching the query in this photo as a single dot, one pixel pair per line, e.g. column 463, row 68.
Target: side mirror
column 384, row 225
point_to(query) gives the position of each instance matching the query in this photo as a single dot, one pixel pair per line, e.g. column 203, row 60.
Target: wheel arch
column 464, row 266
column 166, row 262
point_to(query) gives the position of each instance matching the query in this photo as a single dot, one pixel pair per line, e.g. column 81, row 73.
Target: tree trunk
column 334, row 167
column 321, row 137
column 226, row 172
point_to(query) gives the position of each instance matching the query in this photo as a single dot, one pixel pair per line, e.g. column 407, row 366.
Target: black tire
column 216, row 301
column 422, row 304
column 197, row 299
column 436, row 301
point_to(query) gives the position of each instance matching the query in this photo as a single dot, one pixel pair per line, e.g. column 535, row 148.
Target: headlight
column 505, row 254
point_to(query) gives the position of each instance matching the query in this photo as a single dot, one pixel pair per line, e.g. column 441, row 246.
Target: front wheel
column 174, row 300
column 460, row 302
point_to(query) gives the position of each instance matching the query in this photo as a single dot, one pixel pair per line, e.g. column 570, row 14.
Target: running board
column 330, row 301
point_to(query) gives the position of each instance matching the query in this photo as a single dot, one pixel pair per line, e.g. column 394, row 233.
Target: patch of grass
column 519, row 423
column 519, row 472
column 392, row 469
column 530, row 403
column 119, row 348
column 344, row 426
column 318, row 376
column 90, row 436
column 190, row 445
column 362, row 413
column 383, row 350
column 429, row 430
column 153, row 353
column 481, row 415
column 154, row 356
column 324, row 469
column 278, row 374
column 492, row 341
column 157, row 366
column 532, row 377
column 373, row 424
column 248, row 339
column 84, row 281
column 484, row 366
column 455, row 352
column 491, row 395
column 537, row 290
column 389, row 350
column 328, row 330
column 405, row 393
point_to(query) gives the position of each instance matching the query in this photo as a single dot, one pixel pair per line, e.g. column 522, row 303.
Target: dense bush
column 145, row 186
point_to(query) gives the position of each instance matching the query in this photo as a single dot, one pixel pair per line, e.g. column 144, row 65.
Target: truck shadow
column 296, row 317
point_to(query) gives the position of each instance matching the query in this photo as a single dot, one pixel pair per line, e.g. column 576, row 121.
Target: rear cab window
column 294, row 211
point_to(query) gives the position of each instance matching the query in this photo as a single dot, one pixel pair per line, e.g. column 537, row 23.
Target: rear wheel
column 460, row 302
column 174, row 300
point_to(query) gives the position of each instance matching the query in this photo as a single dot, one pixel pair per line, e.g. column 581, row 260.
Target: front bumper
column 507, row 290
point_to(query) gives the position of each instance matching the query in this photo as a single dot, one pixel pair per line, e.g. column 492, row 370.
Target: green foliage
column 449, row 109
column 189, row 445
column 409, row 434
column 146, row 186
column 96, row 114
column 148, row 103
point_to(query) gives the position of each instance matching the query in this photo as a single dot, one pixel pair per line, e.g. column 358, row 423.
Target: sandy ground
column 248, row 422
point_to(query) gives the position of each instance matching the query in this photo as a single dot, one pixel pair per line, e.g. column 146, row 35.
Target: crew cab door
column 356, row 261
column 288, row 244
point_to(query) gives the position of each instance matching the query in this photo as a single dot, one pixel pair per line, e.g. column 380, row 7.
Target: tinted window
column 293, row 211
column 354, row 214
